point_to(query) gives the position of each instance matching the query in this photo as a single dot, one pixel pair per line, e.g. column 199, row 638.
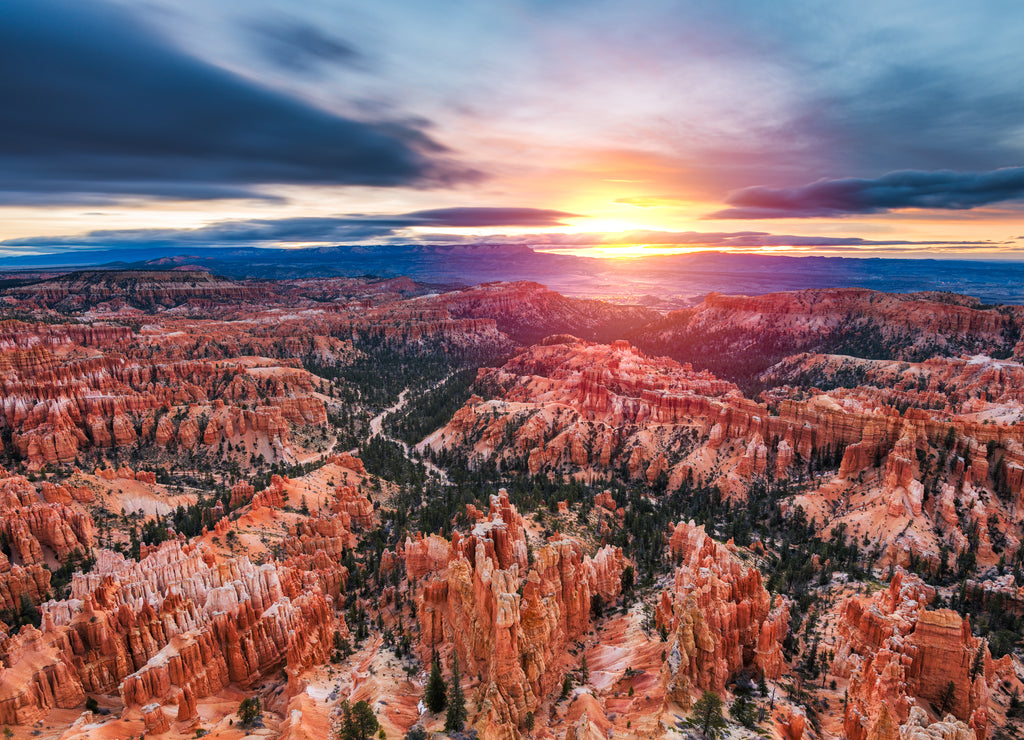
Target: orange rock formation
column 720, row 618
column 896, row 651
column 469, row 600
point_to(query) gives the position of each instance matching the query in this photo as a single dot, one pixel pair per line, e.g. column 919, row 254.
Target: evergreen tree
column 978, row 666
column 628, row 578
column 250, row 713
column 707, row 714
column 358, row 721
column 435, row 696
column 455, row 720
column 566, row 686
column 584, row 670
column 1016, row 707
column 744, row 711
column 30, row 613
column 948, row 698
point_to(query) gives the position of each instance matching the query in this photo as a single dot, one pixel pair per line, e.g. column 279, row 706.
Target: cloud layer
column 394, row 229
column 354, row 228
column 943, row 190
column 96, row 103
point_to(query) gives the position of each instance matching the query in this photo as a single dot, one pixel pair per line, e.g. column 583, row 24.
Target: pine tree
column 978, row 666
column 566, row 686
column 455, row 719
column 358, row 721
column 628, row 578
column 584, row 671
column 250, row 713
column 707, row 714
column 1016, row 706
column 30, row 613
column 744, row 711
column 948, row 698
column 435, row 696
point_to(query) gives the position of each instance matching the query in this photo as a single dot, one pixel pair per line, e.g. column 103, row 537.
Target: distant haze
column 665, row 281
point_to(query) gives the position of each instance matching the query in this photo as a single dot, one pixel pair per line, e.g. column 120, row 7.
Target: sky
column 849, row 127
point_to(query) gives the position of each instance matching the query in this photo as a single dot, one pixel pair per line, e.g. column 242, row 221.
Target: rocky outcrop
column 176, row 626
column 353, row 504
column 18, row 583
column 241, row 494
column 35, row 677
column 238, row 646
column 126, row 473
column 896, row 652
column 719, row 617
column 528, row 311
column 349, row 462
column 29, row 525
column 510, row 620
column 917, row 727
column 61, row 399
column 15, row 335
column 145, row 289
column 273, row 496
column 572, row 405
column 155, row 720
column 567, row 407
column 741, row 336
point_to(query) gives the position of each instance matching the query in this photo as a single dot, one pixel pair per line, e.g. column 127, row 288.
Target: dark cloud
column 356, row 228
column 94, row 102
column 253, row 231
column 925, row 116
column 479, row 217
column 944, row 190
column 300, row 47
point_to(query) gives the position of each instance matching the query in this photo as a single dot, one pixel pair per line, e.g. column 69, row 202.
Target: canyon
column 305, row 491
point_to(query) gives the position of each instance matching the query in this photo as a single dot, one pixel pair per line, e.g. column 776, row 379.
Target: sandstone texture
column 509, row 619
column 719, row 617
column 900, row 655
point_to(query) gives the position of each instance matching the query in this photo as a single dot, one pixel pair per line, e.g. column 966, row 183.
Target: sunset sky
column 606, row 128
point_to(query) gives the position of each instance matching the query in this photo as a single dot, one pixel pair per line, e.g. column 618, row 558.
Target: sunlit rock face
column 68, row 390
column 719, row 618
column 178, row 625
column 510, row 619
column 897, row 652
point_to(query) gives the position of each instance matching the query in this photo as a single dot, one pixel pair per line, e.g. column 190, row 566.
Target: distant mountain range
column 664, row 281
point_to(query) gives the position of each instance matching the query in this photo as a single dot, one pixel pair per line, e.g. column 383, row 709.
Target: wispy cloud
column 298, row 46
